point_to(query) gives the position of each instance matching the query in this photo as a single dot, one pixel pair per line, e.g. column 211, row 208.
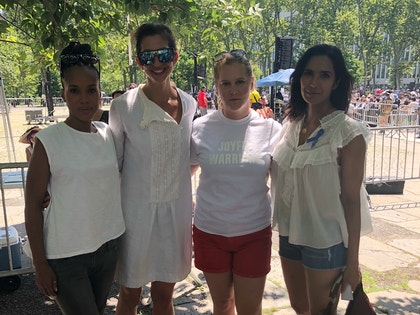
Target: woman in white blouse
column 319, row 195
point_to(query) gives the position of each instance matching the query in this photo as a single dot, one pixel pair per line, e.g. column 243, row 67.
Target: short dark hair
column 117, row 92
column 340, row 96
column 151, row 29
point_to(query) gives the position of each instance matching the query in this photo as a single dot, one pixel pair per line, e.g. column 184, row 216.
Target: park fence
column 40, row 102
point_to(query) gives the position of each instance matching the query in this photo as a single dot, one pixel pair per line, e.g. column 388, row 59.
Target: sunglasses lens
column 147, row 58
column 166, row 55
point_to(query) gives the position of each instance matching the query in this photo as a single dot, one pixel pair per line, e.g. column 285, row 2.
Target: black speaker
column 283, row 53
column 201, row 71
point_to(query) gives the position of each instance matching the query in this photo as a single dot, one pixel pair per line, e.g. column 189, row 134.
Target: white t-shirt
column 85, row 209
column 235, row 157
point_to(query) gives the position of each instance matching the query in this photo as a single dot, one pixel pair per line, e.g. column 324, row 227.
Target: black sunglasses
column 238, row 53
column 69, row 60
column 164, row 55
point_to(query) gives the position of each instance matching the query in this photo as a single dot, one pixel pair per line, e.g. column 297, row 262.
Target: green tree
column 47, row 26
column 402, row 27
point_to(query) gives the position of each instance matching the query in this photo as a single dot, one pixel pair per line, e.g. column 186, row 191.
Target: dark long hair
column 151, row 29
column 340, row 96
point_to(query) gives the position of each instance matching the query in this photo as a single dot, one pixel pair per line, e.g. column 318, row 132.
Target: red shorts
column 246, row 256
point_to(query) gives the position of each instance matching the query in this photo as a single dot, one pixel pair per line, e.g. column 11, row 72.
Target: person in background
column 320, row 203
column 73, row 254
column 131, row 86
column 101, row 115
column 151, row 125
column 28, row 137
column 265, row 111
column 117, row 93
column 232, row 218
column 202, row 101
column 255, row 98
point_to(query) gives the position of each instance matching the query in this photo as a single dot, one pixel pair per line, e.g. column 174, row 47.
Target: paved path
column 389, row 258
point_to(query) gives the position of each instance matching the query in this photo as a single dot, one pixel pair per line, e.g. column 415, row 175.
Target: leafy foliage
column 37, row 30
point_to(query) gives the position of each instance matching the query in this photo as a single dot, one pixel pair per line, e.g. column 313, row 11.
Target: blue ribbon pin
column 315, row 139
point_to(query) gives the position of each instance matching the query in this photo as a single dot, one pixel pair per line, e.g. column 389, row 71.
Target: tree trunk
column 48, row 92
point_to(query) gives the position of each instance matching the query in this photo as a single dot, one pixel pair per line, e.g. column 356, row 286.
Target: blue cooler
column 14, row 247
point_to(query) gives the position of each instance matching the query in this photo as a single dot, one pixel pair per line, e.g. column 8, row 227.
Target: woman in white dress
column 151, row 125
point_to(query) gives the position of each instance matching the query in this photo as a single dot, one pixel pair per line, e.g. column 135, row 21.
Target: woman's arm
column 36, row 187
column 352, row 173
column 194, row 169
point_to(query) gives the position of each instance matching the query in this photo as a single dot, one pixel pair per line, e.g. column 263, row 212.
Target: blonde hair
column 229, row 59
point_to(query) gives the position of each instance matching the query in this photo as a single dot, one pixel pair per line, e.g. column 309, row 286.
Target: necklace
column 304, row 130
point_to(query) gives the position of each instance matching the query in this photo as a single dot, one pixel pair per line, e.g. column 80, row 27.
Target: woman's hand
column 46, row 201
column 46, row 280
column 351, row 276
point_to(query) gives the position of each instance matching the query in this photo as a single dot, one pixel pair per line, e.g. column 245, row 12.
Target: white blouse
column 307, row 205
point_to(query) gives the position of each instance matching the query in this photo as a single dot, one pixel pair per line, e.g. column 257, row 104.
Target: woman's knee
column 129, row 296
column 299, row 307
column 162, row 292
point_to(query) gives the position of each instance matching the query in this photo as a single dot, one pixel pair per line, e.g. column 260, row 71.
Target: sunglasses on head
column 88, row 60
column 164, row 55
column 238, row 53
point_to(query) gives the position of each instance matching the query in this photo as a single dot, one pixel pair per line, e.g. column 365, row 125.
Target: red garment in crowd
column 202, row 99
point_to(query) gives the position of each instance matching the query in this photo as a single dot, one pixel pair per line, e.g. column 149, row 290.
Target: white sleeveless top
column 85, row 209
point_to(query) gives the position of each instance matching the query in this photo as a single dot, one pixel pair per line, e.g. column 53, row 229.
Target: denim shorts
column 334, row 257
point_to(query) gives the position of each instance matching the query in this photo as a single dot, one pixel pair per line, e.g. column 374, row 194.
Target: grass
column 396, row 279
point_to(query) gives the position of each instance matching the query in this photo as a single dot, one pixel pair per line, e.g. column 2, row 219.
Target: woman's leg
column 161, row 293
column 103, row 271
column 128, row 301
column 221, row 291
column 248, row 294
column 294, row 276
column 319, row 283
column 73, row 282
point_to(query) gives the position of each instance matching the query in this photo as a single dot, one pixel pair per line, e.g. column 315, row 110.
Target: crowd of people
column 403, row 100
column 112, row 199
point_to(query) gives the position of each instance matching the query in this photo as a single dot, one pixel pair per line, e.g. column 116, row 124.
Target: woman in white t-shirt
column 75, row 240
column 232, row 219
column 320, row 201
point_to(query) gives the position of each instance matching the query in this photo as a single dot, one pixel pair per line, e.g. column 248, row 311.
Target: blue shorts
column 334, row 257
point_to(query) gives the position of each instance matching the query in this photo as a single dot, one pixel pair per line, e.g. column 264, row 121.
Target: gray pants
column 84, row 281
column 203, row 111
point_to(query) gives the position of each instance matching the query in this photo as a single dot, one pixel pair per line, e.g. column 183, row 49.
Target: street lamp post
column 195, row 80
